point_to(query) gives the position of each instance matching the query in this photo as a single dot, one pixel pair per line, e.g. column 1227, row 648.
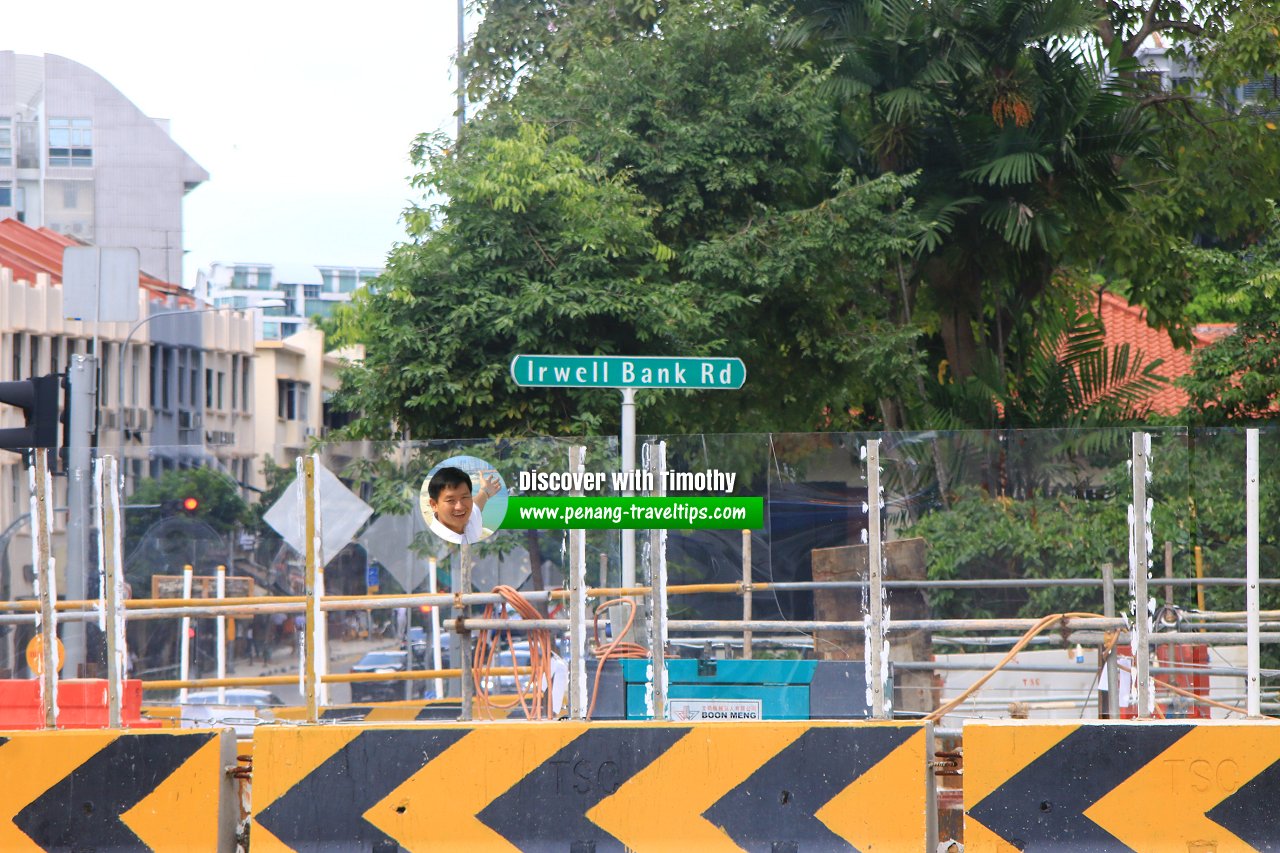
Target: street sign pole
column 629, row 374
column 628, row 464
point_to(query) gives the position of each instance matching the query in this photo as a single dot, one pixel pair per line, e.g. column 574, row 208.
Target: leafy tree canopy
column 653, row 195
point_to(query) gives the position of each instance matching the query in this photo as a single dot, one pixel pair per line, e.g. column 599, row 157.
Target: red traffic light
column 190, row 504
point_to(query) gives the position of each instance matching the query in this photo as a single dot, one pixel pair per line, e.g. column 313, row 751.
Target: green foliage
column 652, row 194
column 1070, row 518
column 221, row 506
column 1062, row 373
column 535, row 251
column 1017, row 131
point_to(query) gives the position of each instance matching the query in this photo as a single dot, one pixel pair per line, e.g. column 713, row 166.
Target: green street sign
column 626, row 371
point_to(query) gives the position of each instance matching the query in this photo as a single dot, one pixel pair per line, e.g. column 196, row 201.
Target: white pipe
column 628, row 464
column 46, row 580
column 220, row 592
column 106, row 477
column 1252, row 602
column 877, row 656
column 184, row 639
column 1140, row 542
column 435, row 627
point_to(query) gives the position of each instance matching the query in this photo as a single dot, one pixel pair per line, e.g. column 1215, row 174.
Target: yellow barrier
column 1208, row 785
column 646, row 787
column 117, row 790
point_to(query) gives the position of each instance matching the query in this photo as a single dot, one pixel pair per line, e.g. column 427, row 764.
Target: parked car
column 240, row 708
column 381, row 691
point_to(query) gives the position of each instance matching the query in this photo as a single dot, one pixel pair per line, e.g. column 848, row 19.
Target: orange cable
column 615, row 649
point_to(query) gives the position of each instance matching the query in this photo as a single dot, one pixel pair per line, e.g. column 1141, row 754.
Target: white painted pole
column 628, row 464
column 877, row 652
column 220, row 592
column 1252, row 602
column 435, row 626
column 462, row 639
column 184, row 638
column 111, row 584
column 577, row 604
column 46, row 580
column 658, row 589
column 1140, row 543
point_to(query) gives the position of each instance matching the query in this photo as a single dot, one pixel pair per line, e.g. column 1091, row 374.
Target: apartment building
column 174, row 389
column 290, row 300
column 79, row 158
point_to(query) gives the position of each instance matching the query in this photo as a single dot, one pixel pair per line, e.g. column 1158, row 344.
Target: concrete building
column 78, row 157
column 295, row 298
column 305, row 377
column 187, row 392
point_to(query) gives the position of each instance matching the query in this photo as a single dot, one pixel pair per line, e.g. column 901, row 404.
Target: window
column 291, row 400
column 70, row 142
column 6, row 141
column 235, row 385
column 310, row 291
column 244, row 384
column 166, row 371
column 17, row 356
column 182, row 369
column 6, row 194
column 222, row 378
column 208, row 388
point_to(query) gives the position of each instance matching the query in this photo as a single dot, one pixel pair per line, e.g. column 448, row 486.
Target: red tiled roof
column 1127, row 324
column 29, row 251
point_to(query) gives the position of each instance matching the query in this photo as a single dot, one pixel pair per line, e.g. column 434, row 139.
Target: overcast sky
column 301, row 112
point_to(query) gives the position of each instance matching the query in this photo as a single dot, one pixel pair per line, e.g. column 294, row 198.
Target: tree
column 218, row 500
column 653, row 194
column 1017, row 131
column 162, row 535
column 1236, row 379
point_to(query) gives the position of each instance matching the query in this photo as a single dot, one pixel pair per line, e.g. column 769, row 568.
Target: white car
column 241, row 708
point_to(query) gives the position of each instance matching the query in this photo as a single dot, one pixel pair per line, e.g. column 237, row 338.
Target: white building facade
column 291, row 301
column 78, row 157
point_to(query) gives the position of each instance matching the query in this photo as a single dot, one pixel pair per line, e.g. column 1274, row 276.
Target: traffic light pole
column 82, row 379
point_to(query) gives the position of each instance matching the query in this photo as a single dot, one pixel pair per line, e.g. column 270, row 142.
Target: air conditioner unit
column 185, row 420
column 110, row 419
column 128, row 418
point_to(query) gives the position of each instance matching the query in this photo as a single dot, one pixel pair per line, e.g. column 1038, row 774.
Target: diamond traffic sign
column 340, row 514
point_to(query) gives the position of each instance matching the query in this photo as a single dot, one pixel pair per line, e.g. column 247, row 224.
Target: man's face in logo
column 453, row 506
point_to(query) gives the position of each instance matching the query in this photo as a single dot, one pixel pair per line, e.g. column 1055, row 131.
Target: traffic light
column 38, row 399
column 187, row 506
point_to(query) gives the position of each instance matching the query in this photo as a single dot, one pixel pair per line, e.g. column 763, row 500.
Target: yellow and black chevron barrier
column 514, row 786
column 1133, row 786
column 114, row 790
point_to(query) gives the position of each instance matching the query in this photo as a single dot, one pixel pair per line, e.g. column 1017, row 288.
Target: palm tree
column 1017, row 132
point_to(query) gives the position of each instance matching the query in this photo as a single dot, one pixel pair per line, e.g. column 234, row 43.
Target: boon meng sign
column 627, row 371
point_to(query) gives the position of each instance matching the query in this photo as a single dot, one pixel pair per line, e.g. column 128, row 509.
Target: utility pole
column 462, row 72
column 82, row 378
